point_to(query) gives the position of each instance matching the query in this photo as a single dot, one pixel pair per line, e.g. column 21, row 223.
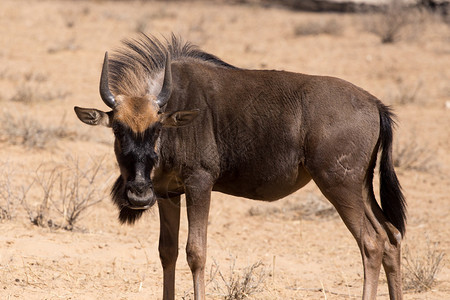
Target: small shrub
column 389, row 23
column 31, row 93
column 406, row 93
column 239, row 285
column 35, row 76
column 34, row 87
column 420, row 271
column 30, row 133
column 411, row 156
column 330, row 26
column 11, row 195
column 24, row 94
column 141, row 25
column 63, row 46
column 66, row 192
column 7, row 198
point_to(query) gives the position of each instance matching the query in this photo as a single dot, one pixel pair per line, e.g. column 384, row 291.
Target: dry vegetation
column 389, row 23
column 421, row 270
column 12, row 194
column 324, row 26
column 238, row 285
column 66, row 191
column 411, row 156
column 400, row 20
column 26, row 131
column 55, row 172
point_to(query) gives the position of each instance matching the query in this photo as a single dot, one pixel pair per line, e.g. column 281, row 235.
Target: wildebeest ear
column 92, row 116
column 178, row 118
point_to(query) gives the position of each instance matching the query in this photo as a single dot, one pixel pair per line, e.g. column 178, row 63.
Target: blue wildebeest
column 186, row 122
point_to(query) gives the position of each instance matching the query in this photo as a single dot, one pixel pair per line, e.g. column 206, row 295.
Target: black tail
column 393, row 201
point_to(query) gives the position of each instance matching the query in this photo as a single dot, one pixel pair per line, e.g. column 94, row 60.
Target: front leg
column 169, row 217
column 198, row 196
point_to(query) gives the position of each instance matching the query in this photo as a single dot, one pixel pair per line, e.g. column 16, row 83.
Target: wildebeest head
column 136, row 122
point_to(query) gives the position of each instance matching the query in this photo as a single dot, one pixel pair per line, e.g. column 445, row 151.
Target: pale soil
column 57, row 47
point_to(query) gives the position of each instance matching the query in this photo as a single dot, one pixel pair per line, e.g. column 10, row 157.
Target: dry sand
column 51, row 54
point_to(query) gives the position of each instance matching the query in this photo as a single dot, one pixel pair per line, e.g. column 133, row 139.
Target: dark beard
column 126, row 214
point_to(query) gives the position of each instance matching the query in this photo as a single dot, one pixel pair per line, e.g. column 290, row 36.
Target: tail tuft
column 393, row 201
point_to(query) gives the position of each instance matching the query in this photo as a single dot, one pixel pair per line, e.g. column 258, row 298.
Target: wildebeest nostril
column 140, row 201
column 138, row 188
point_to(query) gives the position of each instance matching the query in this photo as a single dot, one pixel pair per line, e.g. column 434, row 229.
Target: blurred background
column 59, row 237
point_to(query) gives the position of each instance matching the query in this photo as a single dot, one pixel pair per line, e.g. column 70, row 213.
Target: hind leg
column 365, row 228
column 392, row 262
column 378, row 240
column 391, row 250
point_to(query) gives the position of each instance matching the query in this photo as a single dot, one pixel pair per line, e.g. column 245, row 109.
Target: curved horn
column 105, row 93
column 166, row 89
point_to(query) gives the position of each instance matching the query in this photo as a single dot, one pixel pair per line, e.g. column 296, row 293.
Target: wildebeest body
column 259, row 134
column 194, row 124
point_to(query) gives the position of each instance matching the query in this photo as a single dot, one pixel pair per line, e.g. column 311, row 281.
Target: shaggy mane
column 133, row 67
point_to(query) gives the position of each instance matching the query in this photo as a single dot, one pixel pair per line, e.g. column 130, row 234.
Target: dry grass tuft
column 239, row 285
column 411, row 156
column 34, row 86
column 67, row 45
column 405, row 93
column 420, row 271
column 12, row 194
column 143, row 22
column 330, row 27
column 7, row 198
column 28, row 132
column 31, row 93
column 389, row 23
column 66, row 192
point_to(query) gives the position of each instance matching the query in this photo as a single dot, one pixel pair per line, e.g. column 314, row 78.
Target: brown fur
column 138, row 113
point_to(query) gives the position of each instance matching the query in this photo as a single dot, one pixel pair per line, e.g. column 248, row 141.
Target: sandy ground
column 50, row 60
